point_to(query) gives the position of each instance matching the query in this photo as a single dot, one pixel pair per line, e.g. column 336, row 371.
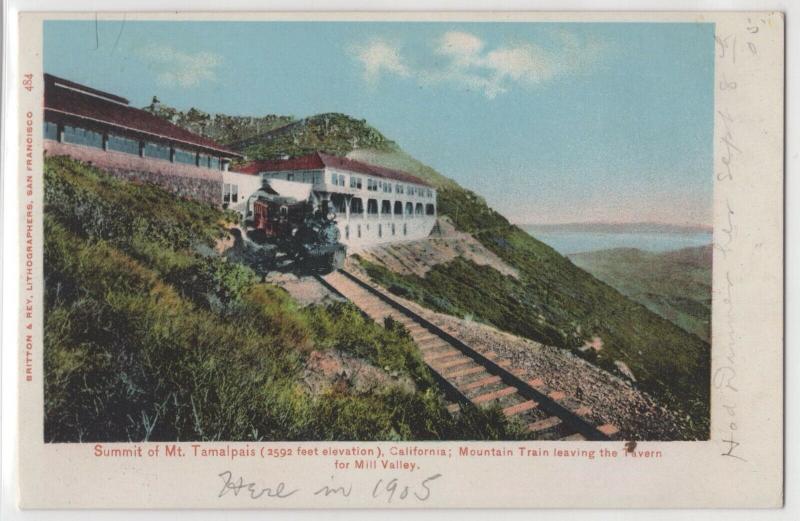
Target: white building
column 373, row 205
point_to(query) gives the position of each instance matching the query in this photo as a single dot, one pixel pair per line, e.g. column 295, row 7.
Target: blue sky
column 549, row 122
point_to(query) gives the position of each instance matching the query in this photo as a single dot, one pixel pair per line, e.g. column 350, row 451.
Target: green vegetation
column 675, row 284
column 554, row 301
column 149, row 338
column 332, row 133
column 221, row 128
column 557, row 303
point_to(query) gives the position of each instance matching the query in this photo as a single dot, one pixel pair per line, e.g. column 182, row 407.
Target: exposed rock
column 623, row 368
column 326, row 370
column 442, row 246
column 305, row 289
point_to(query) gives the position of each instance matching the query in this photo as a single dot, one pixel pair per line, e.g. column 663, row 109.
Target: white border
column 10, row 251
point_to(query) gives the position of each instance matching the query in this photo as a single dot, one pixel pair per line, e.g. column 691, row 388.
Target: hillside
column 333, row 133
column 674, row 284
column 553, row 301
column 220, row 127
column 150, row 335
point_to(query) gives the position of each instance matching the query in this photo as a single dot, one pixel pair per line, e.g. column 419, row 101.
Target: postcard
column 400, row 260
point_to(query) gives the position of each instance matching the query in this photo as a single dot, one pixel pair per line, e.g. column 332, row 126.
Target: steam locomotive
column 285, row 229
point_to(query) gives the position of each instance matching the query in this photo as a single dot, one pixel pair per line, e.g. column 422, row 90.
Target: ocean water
column 567, row 242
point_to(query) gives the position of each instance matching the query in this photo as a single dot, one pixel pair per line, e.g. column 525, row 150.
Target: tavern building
column 372, row 204
column 103, row 129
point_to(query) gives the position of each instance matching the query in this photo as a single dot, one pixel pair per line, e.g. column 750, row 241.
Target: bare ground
column 443, row 245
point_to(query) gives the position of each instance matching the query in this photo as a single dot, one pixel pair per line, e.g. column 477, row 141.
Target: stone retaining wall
column 192, row 182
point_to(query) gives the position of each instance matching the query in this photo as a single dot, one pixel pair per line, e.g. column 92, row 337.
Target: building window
column 398, row 208
column 409, row 209
column 156, row 151
column 355, row 182
column 51, row 130
column 398, row 188
column 226, row 193
column 347, row 231
column 356, row 206
column 359, row 231
column 419, row 210
column 372, row 207
column 234, row 193
column 185, row 157
column 387, row 187
column 372, row 185
column 430, row 192
column 81, row 136
column 339, row 203
column 209, row 162
column 430, row 209
column 123, row 144
column 405, row 229
column 392, row 228
column 290, row 177
column 386, row 207
column 380, row 230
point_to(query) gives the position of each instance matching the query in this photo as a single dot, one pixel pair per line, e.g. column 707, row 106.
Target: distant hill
column 333, row 133
column 221, row 128
column 674, row 284
column 601, row 227
column 553, row 301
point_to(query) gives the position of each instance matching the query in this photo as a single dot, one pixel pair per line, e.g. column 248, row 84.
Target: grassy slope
column 555, row 301
column 145, row 338
column 676, row 285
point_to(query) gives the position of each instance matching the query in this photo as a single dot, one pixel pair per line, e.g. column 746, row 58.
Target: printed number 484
column 27, row 82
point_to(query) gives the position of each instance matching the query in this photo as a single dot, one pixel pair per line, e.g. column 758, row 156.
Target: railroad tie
column 494, row 395
column 441, row 354
column 543, row 425
column 536, row 383
column 464, row 372
column 432, row 346
column 608, row 429
column 520, row 408
column 425, row 338
column 483, row 382
column 453, row 363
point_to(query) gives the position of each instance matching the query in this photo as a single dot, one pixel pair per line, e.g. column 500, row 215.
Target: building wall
column 246, row 185
column 374, row 228
column 378, row 230
column 193, row 182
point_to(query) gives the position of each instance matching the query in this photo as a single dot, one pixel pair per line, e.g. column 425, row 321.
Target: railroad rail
column 468, row 375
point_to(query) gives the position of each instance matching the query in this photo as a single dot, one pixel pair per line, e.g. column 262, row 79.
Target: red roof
column 73, row 99
column 320, row 160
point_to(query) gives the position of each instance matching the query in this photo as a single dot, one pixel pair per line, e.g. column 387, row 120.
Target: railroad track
column 469, row 375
